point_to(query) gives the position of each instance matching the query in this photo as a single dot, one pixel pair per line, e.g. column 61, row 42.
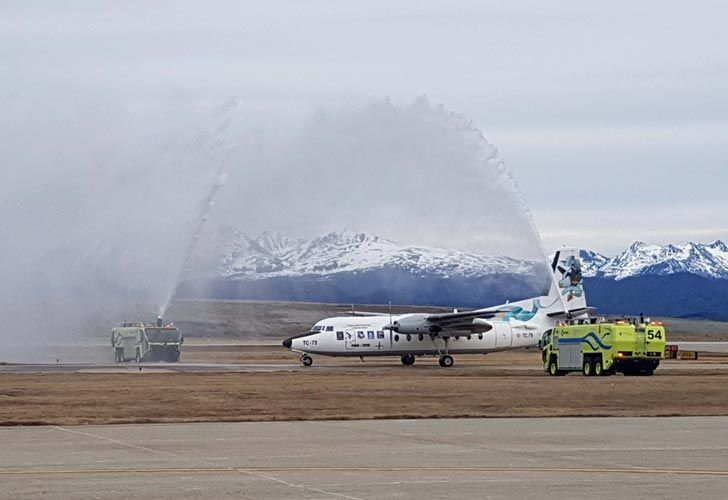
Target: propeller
column 390, row 326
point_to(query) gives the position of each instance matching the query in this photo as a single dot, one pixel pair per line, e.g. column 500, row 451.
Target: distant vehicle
column 165, row 343
column 595, row 348
column 128, row 342
column 508, row 326
column 134, row 341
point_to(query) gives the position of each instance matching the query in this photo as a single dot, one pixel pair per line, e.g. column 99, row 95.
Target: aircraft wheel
column 306, row 360
column 446, row 361
column 408, row 359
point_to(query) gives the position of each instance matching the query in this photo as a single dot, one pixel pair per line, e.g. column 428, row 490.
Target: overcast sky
column 612, row 116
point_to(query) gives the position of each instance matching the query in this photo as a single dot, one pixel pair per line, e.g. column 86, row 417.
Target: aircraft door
column 350, row 342
column 503, row 335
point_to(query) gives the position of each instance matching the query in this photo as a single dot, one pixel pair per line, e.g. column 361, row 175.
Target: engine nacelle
column 415, row 324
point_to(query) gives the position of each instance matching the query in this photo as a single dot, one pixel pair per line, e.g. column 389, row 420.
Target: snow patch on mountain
column 274, row 255
column 640, row 259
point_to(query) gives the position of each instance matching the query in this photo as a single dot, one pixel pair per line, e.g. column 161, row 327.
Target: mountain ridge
column 689, row 279
column 274, row 255
column 707, row 260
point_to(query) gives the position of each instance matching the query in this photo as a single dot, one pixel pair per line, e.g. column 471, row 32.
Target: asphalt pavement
column 540, row 458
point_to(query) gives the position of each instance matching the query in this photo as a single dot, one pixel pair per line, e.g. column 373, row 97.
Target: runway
column 152, row 367
column 544, row 458
column 384, row 365
column 294, row 367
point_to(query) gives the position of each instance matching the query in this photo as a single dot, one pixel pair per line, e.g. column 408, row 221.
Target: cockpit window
column 317, row 328
column 329, row 328
column 547, row 336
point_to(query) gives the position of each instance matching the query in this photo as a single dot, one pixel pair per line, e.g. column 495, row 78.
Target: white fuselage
column 367, row 336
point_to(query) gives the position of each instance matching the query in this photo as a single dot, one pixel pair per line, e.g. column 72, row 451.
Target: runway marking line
column 253, row 470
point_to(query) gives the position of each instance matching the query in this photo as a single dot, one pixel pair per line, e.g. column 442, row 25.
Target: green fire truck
column 597, row 347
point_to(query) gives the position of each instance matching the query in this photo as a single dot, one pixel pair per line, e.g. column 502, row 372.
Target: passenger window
column 480, row 336
column 380, row 335
column 470, row 336
column 339, row 335
column 421, row 337
column 329, row 328
column 396, row 338
column 409, row 337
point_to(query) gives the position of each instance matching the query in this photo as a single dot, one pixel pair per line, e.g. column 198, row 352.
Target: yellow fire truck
column 597, row 347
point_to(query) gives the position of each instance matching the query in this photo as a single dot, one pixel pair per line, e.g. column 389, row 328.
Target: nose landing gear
column 408, row 359
column 306, row 360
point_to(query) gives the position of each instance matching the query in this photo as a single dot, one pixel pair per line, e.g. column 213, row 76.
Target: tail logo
column 520, row 314
column 572, row 279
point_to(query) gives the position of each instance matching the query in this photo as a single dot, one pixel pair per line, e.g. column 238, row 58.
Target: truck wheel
column 138, row 356
column 598, row 368
column 588, row 367
column 553, row 368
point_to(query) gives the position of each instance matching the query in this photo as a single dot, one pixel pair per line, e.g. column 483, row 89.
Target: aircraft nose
column 287, row 343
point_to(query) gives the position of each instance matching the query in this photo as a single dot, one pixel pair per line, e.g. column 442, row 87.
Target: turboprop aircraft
column 508, row 326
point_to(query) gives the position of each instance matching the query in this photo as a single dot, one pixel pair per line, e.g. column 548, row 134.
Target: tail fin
column 567, row 288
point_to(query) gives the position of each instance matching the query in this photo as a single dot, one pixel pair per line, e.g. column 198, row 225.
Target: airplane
column 479, row 331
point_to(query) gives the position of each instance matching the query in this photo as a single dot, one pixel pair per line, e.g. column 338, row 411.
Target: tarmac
column 544, row 458
column 343, row 365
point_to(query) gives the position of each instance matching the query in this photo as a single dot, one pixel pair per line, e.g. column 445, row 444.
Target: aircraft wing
column 463, row 321
column 365, row 313
column 458, row 317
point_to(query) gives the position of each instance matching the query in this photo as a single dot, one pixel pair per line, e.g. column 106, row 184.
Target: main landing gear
column 408, row 359
column 446, row 361
column 306, row 360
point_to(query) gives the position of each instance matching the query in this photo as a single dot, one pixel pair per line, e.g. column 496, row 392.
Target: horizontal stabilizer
column 571, row 312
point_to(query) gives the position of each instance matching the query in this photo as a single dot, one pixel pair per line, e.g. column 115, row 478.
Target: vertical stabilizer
column 567, row 288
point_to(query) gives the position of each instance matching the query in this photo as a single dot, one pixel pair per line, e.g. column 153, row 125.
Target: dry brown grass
column 382, row 392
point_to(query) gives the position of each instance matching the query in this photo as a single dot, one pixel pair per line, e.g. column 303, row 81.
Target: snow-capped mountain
column 274, row 255
column 642, row 259
column 688, row 280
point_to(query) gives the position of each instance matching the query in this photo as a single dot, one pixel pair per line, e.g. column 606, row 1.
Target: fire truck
column 596, row 347
column 135, row 341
